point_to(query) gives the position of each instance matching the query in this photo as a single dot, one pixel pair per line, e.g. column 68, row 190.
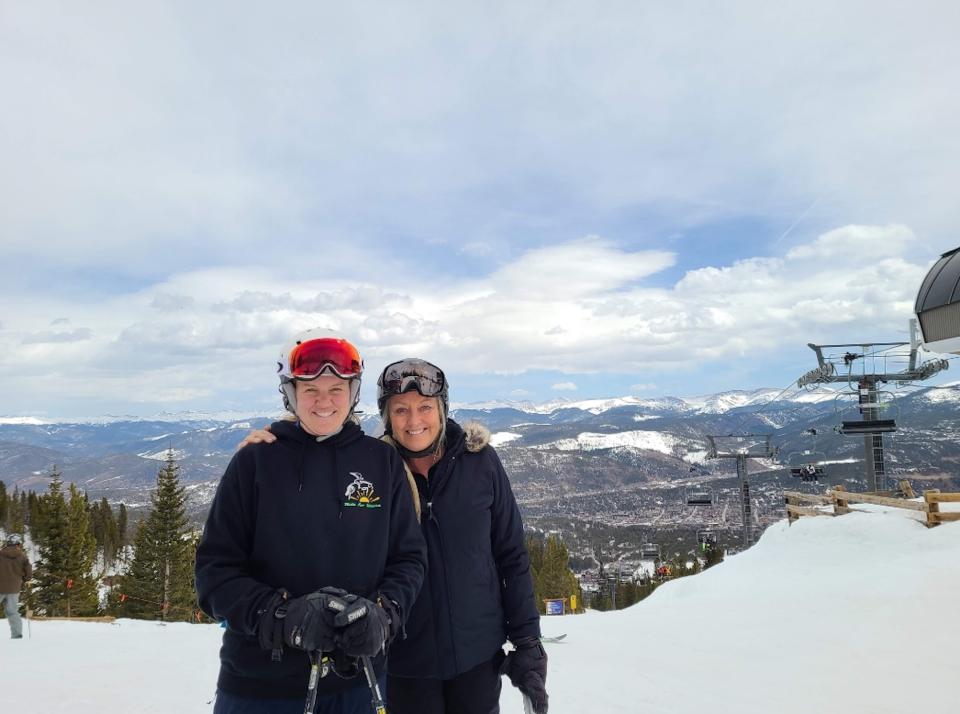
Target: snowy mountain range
column 581, row 447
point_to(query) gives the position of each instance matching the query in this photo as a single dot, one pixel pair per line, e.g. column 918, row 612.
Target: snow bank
column 855, row 614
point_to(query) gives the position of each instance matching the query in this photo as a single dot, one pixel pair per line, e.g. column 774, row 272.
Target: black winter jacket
column 290, row 515
column 479, row 589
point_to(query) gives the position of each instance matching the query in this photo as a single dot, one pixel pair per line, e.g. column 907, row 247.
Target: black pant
column 476, row 691
column 355, row 700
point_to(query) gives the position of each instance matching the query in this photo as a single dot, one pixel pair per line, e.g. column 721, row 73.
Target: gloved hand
column 304, row 622
column 526, row 666
column 364, row 627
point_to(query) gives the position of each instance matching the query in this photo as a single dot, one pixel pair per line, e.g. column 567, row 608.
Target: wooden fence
column 45, row 618
column 839, row 499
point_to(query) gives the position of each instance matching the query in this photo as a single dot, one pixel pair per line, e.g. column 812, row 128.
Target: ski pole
column 319, row 668
column 339, row 605
column 378, row 705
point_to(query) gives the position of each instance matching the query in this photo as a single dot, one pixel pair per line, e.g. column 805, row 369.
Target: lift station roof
column 938, row 304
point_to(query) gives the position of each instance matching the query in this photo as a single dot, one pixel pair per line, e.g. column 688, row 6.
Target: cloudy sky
column 548, row 199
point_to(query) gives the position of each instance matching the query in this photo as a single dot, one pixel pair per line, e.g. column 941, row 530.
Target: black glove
column 365, row 628
column 304, row 622
column 526, row 666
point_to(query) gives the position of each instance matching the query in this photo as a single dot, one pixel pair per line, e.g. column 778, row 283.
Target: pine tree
column 64, row 582
column 82, row 597
column 556, row 579
column 159, row 583
column 4, row 504
column 600, row 601
column 35, row 513
column 104, row 527
column 122, row 525
column 535, row 555
column 15, row 522
column 627, row 594
column 712, row 556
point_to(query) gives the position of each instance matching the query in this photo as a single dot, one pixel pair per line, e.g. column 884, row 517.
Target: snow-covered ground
column 851, row 614
column 504, row 437
column 588, row 441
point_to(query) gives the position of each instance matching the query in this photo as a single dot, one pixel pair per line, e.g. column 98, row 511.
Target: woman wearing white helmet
column 320, row 522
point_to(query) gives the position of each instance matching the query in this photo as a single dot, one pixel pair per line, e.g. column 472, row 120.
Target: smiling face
column 323, row 404
column 414, row 419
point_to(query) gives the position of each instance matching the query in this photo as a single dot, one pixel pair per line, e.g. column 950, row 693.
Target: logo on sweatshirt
column 360, row 493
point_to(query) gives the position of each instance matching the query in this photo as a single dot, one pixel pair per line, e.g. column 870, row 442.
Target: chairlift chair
column 650, row 550
column 699, row 498
column 706, row 538
column 808, row 466
column 871, row 426
column 809, row 473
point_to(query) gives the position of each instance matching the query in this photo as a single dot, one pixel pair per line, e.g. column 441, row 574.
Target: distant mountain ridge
column 585, row 444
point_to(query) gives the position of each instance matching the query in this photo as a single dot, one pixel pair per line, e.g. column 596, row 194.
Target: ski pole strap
column 395, row 617
column 270, row 631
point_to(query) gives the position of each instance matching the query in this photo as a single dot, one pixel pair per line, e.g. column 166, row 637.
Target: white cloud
column 432, row 193
column 510, row 125
column 856, row 243
column 222, row 328
column 589, row 266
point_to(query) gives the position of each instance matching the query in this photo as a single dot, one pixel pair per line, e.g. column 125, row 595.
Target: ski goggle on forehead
column 309, row 359
column 401, row 377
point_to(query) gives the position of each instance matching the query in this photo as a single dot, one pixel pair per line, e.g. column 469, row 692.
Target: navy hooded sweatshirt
column 303, row 514
column 479, row 590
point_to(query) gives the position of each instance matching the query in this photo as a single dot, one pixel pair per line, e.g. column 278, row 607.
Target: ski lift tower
column 742, row 447
column 867, row 365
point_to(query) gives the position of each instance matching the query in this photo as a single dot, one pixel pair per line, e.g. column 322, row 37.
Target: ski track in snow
column 854, row 615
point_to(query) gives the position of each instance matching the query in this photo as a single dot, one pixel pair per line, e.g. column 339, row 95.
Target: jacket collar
column 291, row 430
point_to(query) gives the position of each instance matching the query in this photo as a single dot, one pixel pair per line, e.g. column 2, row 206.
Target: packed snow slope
column 849, row 614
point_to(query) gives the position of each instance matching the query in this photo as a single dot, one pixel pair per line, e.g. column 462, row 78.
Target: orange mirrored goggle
column 309, row 359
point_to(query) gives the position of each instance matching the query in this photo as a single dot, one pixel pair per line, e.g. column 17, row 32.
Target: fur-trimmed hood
column 478, row 436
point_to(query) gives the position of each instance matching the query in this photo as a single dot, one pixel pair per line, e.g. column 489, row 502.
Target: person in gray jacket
column 14, row 569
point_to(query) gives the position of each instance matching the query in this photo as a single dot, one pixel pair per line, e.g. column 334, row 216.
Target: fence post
column 840, row 505
column 932, row 508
